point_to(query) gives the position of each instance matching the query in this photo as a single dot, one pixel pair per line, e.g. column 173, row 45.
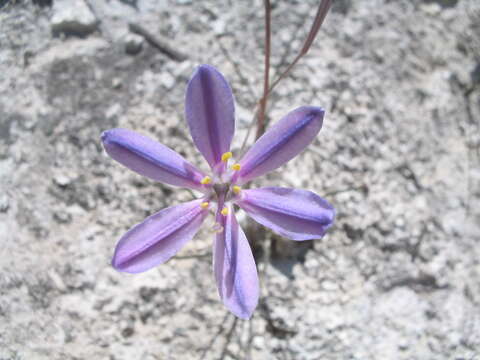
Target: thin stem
column 317, row 23
column 266, row 74
column 259, row 116
column 287, row 70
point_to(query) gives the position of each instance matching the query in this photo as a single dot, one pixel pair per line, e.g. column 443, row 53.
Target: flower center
column 220, row 188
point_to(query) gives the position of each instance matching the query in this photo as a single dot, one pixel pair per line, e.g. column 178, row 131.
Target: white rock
column 167, row 80
column 113, row 111
column 62, row 180
column 4, row 203
column 73, row 17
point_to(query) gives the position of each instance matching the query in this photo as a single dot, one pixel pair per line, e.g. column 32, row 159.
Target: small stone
column 329, row 285
column 62, row 180
column 133, row 44
column 403, row 344
column 113, row 111
column 258, row 342
column 4, row 203
column 431, row 9
column 128, row 331
column 73, row 18
column 219, row 26
column 116, row 83
column 62, row 217
column 399, row 222
column 167, row 80
column 57, row 280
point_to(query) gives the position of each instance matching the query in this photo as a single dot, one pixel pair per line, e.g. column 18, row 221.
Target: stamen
column 236, row 189
column 224, row 211
column 226, row 156
column 236, row 167
column 206, row 180
column 204, row 205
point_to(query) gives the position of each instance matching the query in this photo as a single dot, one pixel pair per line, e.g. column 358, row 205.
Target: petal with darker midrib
column 234, row 267
column 159, row 237
column 149, row 158
column 293, row 213
column 281, row 143
column 210, row 113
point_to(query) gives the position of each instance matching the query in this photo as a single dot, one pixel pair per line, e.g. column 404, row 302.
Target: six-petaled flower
column 293, row 213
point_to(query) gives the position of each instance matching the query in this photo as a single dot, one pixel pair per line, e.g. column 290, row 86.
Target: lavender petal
column 210, row 113
column 150, row 158
column 281, row 143
column 158, row 238
column 293, row 213
column 235, row 269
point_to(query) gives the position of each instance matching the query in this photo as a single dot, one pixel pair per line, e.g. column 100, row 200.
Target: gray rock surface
column 72, row 17
column 398, row 156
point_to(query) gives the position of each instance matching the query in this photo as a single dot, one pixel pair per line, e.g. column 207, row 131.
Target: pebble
column 133, row 44
column 258, row 342
column 431, row 9
column 62, row 180
column 73, row 18
column 62, row 217
column 113, row 112
column 219, row 27
column 167, row 80
column 116, row 83
column 4, row 203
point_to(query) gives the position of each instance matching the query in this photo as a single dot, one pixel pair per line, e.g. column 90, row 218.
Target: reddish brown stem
column 317, row 23
column 266, row 75
column 267, row 89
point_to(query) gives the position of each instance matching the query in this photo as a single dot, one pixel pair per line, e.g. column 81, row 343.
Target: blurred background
column 397, row 277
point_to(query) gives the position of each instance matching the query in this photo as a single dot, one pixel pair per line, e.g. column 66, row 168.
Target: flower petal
column 150, row 158
column 210, row 113
column 235, row 269
column 281, row 143
column 158, row 238
column 293, row 213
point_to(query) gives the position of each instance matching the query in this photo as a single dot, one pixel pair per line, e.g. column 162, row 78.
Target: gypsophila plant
column 209, row 110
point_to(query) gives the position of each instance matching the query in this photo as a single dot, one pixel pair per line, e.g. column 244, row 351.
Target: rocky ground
column 398, row 277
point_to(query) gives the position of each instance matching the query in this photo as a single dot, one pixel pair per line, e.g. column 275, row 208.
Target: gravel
column 398, row 156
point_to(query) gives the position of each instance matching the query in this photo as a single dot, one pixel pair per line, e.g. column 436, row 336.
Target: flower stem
column 322, row 11
column 266, row 74
column 317, row 23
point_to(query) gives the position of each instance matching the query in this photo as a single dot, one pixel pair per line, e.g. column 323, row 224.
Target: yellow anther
column 237, row 189
column 236, row 167
column 204, row 205
column 224, row 211
column 206, row 180
column 226, row 156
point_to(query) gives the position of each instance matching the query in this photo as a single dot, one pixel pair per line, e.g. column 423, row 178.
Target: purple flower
column 293, row 213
